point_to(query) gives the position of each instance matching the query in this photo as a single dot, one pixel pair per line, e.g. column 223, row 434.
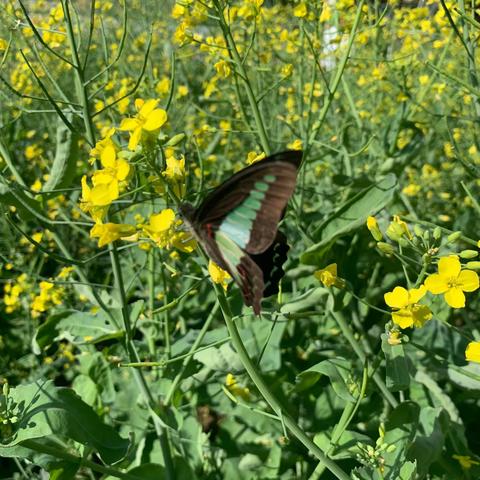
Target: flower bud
column 372, row 225
column 175, row 140
column 417, row 229
column 453, row 237
column 473, row 265
column 385, row 248
column 467, row 254
column 437, row 233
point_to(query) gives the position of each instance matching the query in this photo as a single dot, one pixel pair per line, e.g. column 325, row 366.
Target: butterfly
column 237, row 224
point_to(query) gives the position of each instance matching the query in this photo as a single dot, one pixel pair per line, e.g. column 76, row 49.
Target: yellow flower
column 223, row 68
column 408, row 312
column 161, row 228
column 253, row 157
column 372, row 225
column 451, row 281
column 326, row 14
column 175, row 167
column 109, row 232
column 465, row 461
column 300, row 10
column 398, row 229
column 218, row 275
column 235, row 388
column 295, row 145
column 328, row 276
column 148, row 119
column 472, row 353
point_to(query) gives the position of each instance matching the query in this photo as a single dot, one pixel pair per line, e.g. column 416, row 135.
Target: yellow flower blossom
column 237, row 390
column 398, row 229
column 295, row 145
column 372, row 226
column 465, row 461
column 218, row 275
column 223, row 68
column 175, row 168
column 149, row 119
column 253, row 157
column 472, row 353
column 451, row 281
column 328, row 276
column 109, row 232
column 407, row 311
column 300, row 10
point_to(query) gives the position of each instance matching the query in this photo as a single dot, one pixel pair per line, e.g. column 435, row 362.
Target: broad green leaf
column 338, row 370
column 13, row 195
column 350, row 216
column 428, row 445
column 43, row 409
column 397, row 366
column 467, row 377
column 400, row 429
column 64, row 164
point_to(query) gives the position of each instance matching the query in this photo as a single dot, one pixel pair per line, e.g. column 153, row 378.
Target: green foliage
column 121, row 358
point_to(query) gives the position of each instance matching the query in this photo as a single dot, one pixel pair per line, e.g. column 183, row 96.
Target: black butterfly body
column 237, row 224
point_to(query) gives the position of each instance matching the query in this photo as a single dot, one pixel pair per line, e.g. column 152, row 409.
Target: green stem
column 188, row 358
column 240, row 68
column 138, row 374
column 357, row 348
column 57, row 453
column 80, row 85
column 267, row 394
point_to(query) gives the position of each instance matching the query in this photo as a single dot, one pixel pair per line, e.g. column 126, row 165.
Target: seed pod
column 386, row 248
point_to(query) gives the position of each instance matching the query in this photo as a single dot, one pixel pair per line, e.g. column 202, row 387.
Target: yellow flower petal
column 398, row 298
column 449, row 266
column 147, row 108
column 468, row 280
column 162, row 221
column 403, row 318
column 421, row 314
column 455, row 298
column 472, row 353
column 135, row 138
column 107, row 157
column 436, row 284
column 155, row 120
column 122, row 169
column 415, row 294
column 129, row 124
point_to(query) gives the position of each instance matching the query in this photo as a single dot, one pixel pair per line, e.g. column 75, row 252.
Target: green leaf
column 397, row 366
column 313, row 298
column 43, row 410
column 27, row 208
column 427, row 447
column 350, row 216
column 64, row 164
column 77, row 327
column 338, row 370
column 400, row 429
column 467, row 377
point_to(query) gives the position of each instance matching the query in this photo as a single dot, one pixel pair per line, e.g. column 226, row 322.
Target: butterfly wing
column 249, row 205
column 238, row 224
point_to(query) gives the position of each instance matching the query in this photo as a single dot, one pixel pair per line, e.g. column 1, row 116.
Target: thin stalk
column 357, row 348
column 138, row 374
column 240, row 69
column 58, row 453
column 188, row 358
column 80, row 86
column 267, row 394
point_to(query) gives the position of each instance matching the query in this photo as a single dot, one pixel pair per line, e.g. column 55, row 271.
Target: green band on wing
column 238, row 224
